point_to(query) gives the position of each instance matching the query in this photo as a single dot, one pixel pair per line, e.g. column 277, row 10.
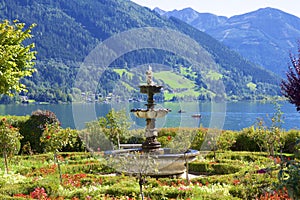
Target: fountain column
column 151, row 144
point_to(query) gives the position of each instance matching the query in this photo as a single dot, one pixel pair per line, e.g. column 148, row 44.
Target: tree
column 115, row 125
column 15, row 57
column 55, row 138
column 9, row 140
column 32, row 130
column 291, row 87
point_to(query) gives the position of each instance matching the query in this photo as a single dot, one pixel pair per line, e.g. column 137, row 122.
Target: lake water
column 229, row 116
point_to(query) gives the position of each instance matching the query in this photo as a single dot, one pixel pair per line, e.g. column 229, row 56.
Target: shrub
column 75, row 143
column 57, row 139
column 226, row 140
column 245, row 140
column 195, row 136
column 289, row 178
column 199, row 137
column 213, row 168
column 33, row 129
column 15, row 121
column 290, row 139
column 136, row 136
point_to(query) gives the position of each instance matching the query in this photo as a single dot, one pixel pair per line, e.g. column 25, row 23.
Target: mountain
column 265, row 36
column 68, row 30
column 159, row 11
column 201, row 21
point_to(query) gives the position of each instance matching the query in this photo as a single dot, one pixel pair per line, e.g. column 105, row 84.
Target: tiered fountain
column 168, row 163
column 150, row 114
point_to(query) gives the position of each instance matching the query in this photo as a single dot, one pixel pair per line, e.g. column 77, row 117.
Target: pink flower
column 261, row 171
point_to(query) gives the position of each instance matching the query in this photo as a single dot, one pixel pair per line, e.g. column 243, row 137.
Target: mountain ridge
column 265, row 36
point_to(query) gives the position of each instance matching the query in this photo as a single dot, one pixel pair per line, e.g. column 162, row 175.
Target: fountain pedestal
column 151, row 144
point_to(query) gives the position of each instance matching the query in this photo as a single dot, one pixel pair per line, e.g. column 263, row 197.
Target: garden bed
column 87, row 177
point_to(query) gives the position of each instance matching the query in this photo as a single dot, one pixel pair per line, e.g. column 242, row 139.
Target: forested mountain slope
column 68, row 30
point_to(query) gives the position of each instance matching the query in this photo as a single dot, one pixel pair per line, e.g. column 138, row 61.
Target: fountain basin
column 150, row 114
column 146, row 89
column 135, row 161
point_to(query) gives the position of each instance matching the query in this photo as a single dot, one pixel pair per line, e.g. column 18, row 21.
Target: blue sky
column 224, row 7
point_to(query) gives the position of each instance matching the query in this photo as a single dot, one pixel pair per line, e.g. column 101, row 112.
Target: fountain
column 167, row 162
column 150, row 114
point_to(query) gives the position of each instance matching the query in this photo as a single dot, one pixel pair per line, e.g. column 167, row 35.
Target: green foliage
column 289, row 178
column 74, row 143
column 270, row 137
column 15, row 121
column 181, row 142
column 226, row 140
column 9, row 140
column 290, row 139
column 190, row 137
column 208, row 168
column 55, row 138
column 94, row 137
column 15, row 57
column 32, row 130
column 245, row 140
column 199, row 138
column 115, row 126
column 137, row 136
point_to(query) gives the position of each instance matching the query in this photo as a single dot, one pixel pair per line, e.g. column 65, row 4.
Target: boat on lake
column 196, row 115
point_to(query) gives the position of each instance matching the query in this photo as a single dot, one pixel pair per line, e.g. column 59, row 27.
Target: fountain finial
column 149, row 76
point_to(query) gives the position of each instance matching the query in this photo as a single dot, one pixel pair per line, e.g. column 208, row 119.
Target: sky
column 226, row 8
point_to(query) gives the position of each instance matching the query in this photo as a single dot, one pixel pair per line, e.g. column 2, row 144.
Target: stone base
column 151, row 147
column 157, row 165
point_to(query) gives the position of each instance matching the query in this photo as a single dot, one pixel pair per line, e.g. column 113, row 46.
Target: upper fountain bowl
column 147, row 89
column 150, row 114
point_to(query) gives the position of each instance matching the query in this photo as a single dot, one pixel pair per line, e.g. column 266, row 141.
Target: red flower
column 20, row 195
column 277, row 160
column 3, row 119
column 169, row 138
column 235, row 182
column 48, row 137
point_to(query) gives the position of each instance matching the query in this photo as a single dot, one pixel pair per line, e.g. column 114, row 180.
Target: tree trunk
column 141, row 182
column 5, row 160
column 187, row 169
column 58, row 166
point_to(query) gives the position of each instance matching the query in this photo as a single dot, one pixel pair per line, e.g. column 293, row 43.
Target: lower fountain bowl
column 150, row 114
column 165, row 163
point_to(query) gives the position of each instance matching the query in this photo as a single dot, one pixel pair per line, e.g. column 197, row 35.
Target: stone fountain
column 150, row 114
column 167, row 162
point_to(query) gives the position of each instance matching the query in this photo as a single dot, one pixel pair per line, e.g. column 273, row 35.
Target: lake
column 229, row 116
